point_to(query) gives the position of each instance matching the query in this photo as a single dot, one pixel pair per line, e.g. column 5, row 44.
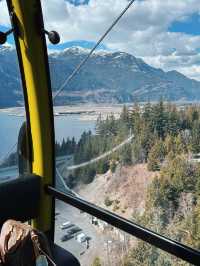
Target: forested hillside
column 166, row 138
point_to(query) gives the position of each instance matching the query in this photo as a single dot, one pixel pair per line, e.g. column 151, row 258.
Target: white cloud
column 143, row 31
column 4, row 17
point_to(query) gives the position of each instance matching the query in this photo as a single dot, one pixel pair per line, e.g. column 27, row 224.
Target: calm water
column 65, row 126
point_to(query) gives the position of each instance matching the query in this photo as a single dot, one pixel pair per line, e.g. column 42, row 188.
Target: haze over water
column 65, row 126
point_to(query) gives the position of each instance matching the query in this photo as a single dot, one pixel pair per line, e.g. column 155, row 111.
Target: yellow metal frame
column 29, row 36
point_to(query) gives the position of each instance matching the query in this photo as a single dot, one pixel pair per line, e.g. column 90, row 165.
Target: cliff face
column 125, row 190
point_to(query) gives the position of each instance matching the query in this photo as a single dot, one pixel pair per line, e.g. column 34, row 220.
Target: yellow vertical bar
column 34, row 65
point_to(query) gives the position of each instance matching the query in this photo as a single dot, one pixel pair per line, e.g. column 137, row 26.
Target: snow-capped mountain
column 115, row 77
column 10, row 82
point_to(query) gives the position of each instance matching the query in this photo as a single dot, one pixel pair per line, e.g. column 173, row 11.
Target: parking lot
column 83, row 221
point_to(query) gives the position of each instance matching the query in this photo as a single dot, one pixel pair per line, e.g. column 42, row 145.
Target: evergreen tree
column 156, row 156
column 160, row 119
column 99, row 128
column 124, row 116
column 195, row 137
column 97, row 262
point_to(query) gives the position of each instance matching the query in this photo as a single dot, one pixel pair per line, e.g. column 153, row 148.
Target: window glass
column 12, row 113
column 127, row 132
column 95, row 243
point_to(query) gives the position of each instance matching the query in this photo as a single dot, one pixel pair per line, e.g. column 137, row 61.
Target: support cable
column 76, row 70
column 4, row 157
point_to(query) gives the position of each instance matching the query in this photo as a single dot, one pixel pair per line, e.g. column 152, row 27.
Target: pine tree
column 99, row 128
column 156, row 156
column 160, row 119
column 124, row 116
column 97, row 262
column 195, row 137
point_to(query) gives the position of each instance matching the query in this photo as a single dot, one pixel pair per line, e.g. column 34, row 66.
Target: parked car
column 66, row 237
column 69, row 225
column 65, row 225
column 74, row 230
column 81, row 238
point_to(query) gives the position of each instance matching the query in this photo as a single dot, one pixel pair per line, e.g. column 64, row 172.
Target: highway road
column 12, row 172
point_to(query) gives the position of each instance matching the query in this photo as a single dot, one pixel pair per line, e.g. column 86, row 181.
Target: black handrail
column 173, row 247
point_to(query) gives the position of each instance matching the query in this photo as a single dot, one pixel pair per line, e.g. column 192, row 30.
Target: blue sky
column 190, row 26
column 10, row 37
column 78, row 2
column 166, row 34
column 83, row 43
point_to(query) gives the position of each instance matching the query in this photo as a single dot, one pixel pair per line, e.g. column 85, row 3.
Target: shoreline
column 85, row 112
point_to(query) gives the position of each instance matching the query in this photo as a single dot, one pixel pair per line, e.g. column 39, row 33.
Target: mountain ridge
column 107, row 77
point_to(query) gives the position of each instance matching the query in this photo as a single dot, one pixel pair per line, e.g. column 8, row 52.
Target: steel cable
column 76, row 70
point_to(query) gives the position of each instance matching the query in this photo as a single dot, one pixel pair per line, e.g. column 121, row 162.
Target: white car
column 81, row 238
column 65, row 225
